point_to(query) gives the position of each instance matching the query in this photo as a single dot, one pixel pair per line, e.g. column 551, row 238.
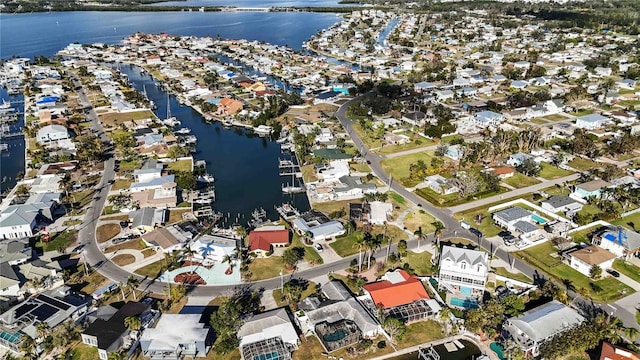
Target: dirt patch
column 123, row 259
column 133, row 245
column 191, row 279
column 106, row 232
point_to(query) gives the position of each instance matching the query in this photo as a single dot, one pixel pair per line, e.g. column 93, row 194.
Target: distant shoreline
column 147, row 8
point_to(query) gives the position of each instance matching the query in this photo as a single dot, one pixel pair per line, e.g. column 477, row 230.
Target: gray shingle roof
column 546, row 320
column 511, row 214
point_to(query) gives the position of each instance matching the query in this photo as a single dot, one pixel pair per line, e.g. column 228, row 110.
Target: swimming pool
column 538, row 219
column 270, row 356
column 465, row 303
column 12, row 338
column 335, row 336
column 497, row 348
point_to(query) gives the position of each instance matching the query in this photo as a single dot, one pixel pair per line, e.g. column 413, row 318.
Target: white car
column 318, row 247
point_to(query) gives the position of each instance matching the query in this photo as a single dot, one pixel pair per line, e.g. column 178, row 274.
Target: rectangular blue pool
column 538, row 219
column 464, row 303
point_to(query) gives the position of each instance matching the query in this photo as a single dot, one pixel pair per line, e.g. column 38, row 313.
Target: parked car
column 509, row 240
column 124, row 224
column 319, row 247
column 119, row 240
column 78, row 249
column 613, row 273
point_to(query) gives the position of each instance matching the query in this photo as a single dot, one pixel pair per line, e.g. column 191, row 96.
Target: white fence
column 533, row 206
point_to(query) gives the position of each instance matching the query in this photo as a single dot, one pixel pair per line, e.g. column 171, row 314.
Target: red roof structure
column 611, row 352
column 264, row 239
column 400, row 288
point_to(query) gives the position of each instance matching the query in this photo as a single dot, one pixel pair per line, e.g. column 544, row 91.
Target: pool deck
column 213, row 276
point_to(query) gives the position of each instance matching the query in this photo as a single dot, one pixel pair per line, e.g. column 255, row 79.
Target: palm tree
column 28, row 347
column 631, row 333
column 418, row 233
column 132, row 283
column 115, row 356
column 437, row 232
column 42, row 328
column 372, row 243
column 349, row 226
column 359, row 243
column 132, row 323
column 189, row 252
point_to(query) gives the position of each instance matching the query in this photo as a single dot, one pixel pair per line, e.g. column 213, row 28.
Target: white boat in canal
column 170, row 121
column 293, row 189
column 183, row 131
column 263, row 130
column 206, row 178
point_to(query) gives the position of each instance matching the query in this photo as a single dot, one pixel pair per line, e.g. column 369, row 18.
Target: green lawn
column 130, row 165
column 632, row 221
column 367, row 137
column 583, row 235
column 582, row 112
column 152, row 270
column 486, row 226
column 121, row 184
column 521, row 180
column 581, row 164
column 605, row 290
column 180, row 165
column 280, row 301
column 355, row 166
column 343, row 245
column 539, row 121
column 310, row 254
column 84, row 352
column 59, row 240
column 551, row 172
column 331, row 206
column 555, row 117
column 453, row 199
column 515, row 276
column 628, row 269
column 266, row 268
column 420, row 333
column 421, row 142
column 398, row 167
column 419, row 262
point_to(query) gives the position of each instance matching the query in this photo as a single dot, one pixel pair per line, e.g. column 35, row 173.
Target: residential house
column 176, row 336
column 214, row 248
column 518, row 159
column 619, row 240
column 167, row 239
column 612, row 352
column 52, row 133
column 336, row 312
column 463, row 273
column 264, row 240
column 402, row 296
column 586, row 258
column 351, row 187
column 379, row 212
column 111, row 334
column 333, row 171
column 561, row 203
column 592, row 121
column 228, row 106
column 146, row 219
column 396, row 139
column 591, row 188
column 533, row 327
column 521, row 222
column 50, row 307
column 317, row 226
column 268, row 335
column 441, row 185
column 504, row 172
column 486, row 119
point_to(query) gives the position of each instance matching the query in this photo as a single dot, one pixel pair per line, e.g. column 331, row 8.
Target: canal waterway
column 12, row 159
column 469, row 352
column 245, row 166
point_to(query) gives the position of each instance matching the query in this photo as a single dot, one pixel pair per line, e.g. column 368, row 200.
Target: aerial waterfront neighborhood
column 444, row 183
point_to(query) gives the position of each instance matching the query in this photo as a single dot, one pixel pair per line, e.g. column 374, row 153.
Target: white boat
column 293, row 189
column 170, row 121
column 206, row 178
column 183, row 131
column 263, row 130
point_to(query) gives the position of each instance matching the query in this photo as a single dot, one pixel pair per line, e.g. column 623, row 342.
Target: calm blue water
column 245, row 166
column 12, row 160
column 35, row 34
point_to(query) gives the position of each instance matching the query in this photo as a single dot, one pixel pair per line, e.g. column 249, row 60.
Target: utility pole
column 281, row 280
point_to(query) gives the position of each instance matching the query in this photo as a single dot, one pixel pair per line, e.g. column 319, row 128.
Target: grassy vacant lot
column 521, row 180
column 419, row 218
column 123, row 259
column 632, row 221
column 581, row 164
column 152, row 270
column 583, row 235
column 121, row 184
column 487, row 226
column 180, row 165
column 309, row 173
column 331, row 206
column 419, row 262
column 137, row 244
column 421, row 142
column 606, row 289
column 112, row 119
column 515, row 276
column 59, row 240
column 266, row 268
column 84, row 352
column 551, row 172
column 130, row 165
column 556, row 117
column 148, row 252
column 628, row 269
column 367, row 137
column 421, row 332
column 310, row 348
column 344, row 245
column 176, row 215
column 398, row 167
column 106, row 232
column 355, row 166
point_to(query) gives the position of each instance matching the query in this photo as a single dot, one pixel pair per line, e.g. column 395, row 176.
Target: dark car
column 613, row 273
column 509, row 240
column 476, row 232
column 78, row 249
column 119, row 240
column 124, row 224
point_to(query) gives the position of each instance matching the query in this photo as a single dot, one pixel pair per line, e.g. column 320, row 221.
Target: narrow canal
column 12, row 159
column 244, row 165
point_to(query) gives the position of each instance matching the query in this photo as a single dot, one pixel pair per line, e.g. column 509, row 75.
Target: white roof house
column 176, row 335
column 463, row 271
column 379, row 212
column 267, row 333
column 535, row 326
column 213, row 247
column 591, row 122
column 52, row 133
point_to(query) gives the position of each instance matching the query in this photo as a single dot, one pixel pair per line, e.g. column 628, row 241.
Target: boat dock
column 428, row 353
column 287, row 211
